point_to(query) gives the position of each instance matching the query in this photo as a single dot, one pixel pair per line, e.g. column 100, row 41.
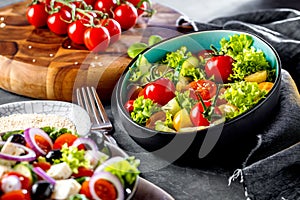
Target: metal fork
column 88, row 98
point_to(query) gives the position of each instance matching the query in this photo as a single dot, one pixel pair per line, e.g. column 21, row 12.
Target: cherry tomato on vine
column 141, row 7
column 36, row 15
column 113, row 28
column 96, row 39
column 126, row 15
column 205, row 88
column 76, row 31
column 160, row 91
column 90, row 2
column 196, row 114
column 220, row 67
column 57, row 24
column 106, row 6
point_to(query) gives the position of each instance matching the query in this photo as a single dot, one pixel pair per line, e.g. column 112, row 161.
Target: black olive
column 42, row 190
column 18, row 138
column 53, row 154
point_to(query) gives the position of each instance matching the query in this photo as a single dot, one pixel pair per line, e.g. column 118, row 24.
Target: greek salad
column 187, row 90
column 51, row 163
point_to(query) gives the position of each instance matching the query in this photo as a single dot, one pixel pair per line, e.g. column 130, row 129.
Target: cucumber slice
column 26, row 170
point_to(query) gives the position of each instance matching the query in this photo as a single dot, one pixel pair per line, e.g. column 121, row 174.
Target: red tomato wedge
column 67, row 138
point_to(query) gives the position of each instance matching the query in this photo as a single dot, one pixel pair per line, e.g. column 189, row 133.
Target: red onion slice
column 87, row 142
column 109, row 177
column 40, row 172
column 30, row 134
column 30, row 156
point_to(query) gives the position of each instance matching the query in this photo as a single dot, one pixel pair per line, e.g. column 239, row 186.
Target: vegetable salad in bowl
column 190, row 89
column 52, row 163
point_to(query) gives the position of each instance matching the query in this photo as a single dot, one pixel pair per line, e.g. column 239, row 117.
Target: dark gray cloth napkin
column 270, row 169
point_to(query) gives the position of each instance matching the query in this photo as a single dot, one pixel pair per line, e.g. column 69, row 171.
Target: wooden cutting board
column 39, row 64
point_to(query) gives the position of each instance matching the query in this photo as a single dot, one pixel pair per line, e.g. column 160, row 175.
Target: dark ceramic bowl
column 234, row 135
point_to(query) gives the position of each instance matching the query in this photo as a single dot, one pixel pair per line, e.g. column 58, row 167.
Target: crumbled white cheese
column 65, row 188
column 60, row 171
column 10, row 149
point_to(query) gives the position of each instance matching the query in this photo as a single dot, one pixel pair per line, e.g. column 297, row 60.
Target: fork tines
column 88, row 98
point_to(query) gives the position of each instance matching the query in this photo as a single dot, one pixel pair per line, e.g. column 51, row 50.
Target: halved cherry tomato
column 85, row 189
column 196, row 114
column 9, row 182
column 83, row 171
column 220, row 67
column 129, row 106
column 96, row 39
column 105, row 189
column 205, row 88
column 42, row 143
column 126, row 15
column 16, row 195
column 36, row 15
column 160, row 91
column 67, row 138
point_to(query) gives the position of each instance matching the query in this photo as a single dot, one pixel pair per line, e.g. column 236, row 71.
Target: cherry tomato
column 196, row 114
column 16, row 195
column 76, row 32
column 85, row 189
column 141, row 7
column 42, row 143
column 105, row 189
column 90, row 2
column 96, row 39
column 106, row 6
column 129, row 106
column 160, row 91
column 182, row 120
column 126, row 15
column 220, row 67
column 205, row 88
column 36, row 15
column 43, row 165
column 68, row 138
column 56, row 23
column 113, row 28
column 14, row 181
column 83, row 171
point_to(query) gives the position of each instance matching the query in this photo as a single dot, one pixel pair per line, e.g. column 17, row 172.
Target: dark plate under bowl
column 223, row 141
